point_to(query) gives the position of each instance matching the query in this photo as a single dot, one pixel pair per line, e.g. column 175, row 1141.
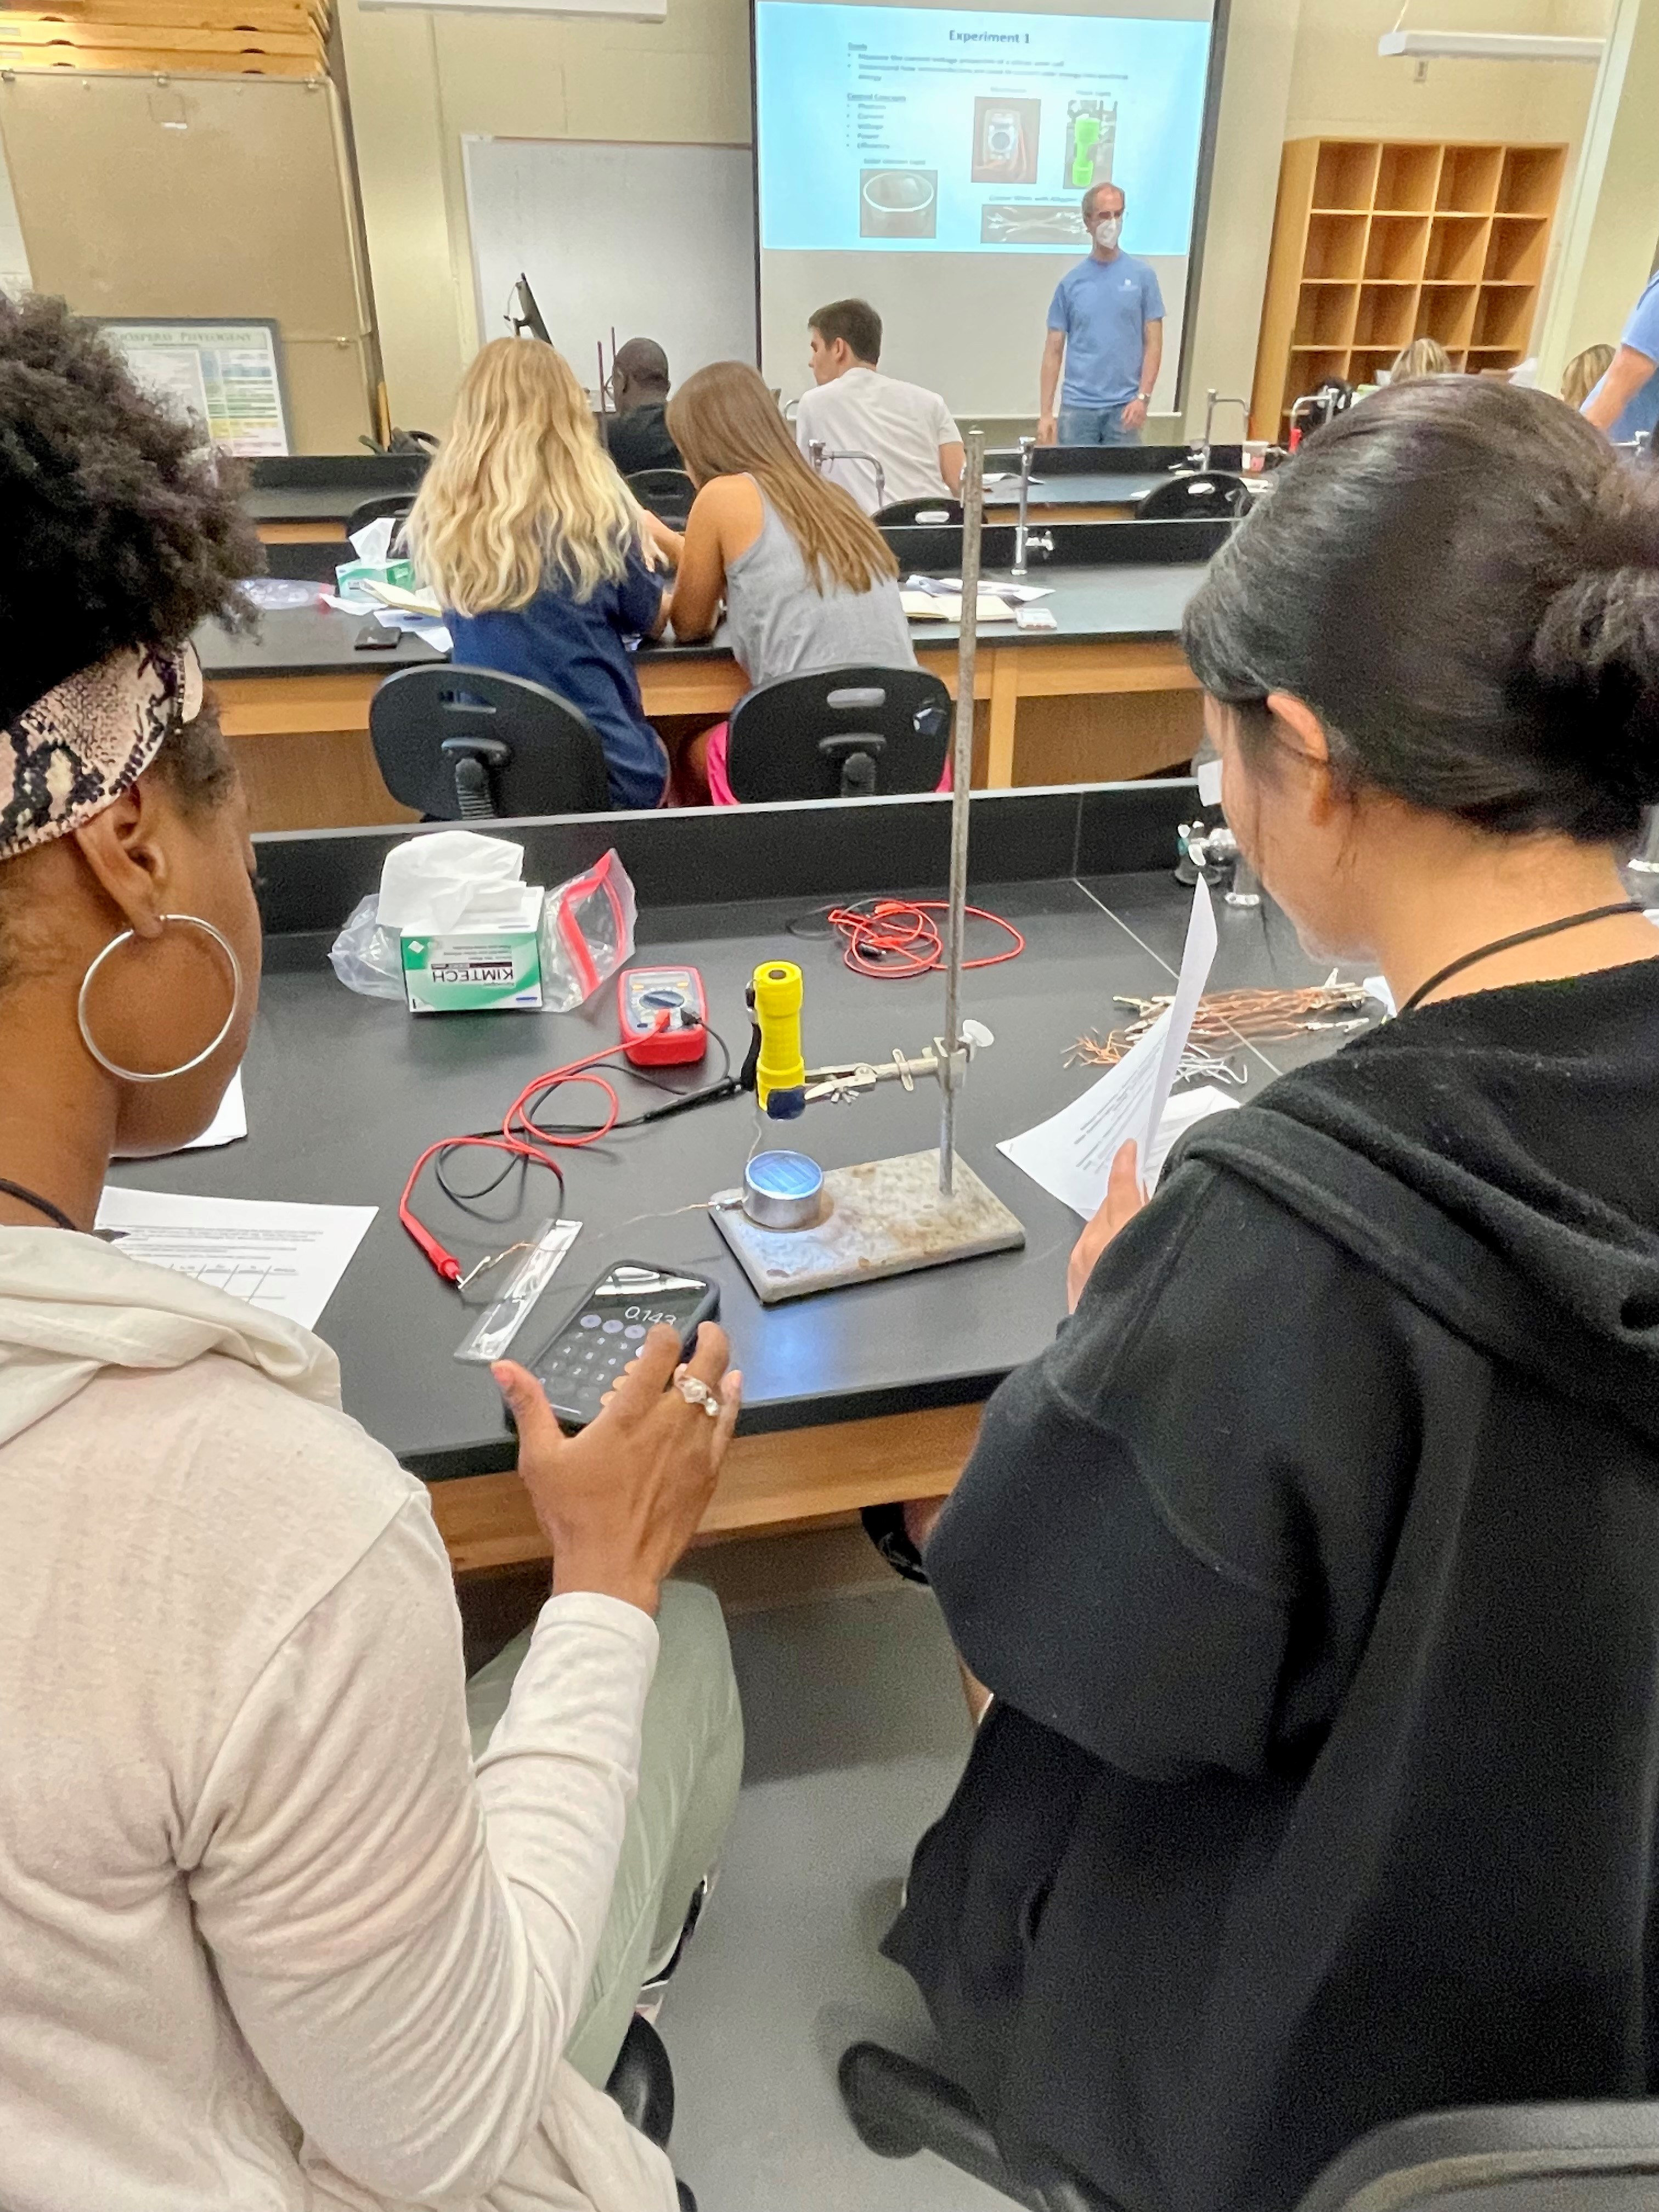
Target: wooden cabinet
column 1379, row 241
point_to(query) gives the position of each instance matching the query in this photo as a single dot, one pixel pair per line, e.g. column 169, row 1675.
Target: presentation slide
column 933, row 160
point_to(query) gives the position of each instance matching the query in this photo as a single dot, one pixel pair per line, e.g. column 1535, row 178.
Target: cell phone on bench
column 375, row 637
column 589, row 1353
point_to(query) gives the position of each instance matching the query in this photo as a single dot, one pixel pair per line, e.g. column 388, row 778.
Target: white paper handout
column 1071, row 1154
column 283, row 1258
column 942, row 607
column 228, row 1124
column 1179, row 1116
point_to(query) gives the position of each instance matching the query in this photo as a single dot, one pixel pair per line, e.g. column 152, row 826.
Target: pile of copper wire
column 1226, row 1019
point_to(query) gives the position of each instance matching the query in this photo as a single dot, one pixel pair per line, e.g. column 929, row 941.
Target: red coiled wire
column 895, row 937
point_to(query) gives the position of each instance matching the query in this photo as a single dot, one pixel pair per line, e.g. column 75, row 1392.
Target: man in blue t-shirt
column 1626, row 399
column 1107, row 324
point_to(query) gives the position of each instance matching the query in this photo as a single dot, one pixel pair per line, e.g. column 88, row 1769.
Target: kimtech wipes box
column 479, row 964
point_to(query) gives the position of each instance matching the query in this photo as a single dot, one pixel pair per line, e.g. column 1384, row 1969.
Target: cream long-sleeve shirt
column 265, row 1942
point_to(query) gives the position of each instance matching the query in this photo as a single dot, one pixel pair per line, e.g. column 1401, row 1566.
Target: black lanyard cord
column 55, row 1214
column 1521, row 937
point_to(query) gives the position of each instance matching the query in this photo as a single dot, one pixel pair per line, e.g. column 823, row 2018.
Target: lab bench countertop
column 342, row 1093
column 1092, row 606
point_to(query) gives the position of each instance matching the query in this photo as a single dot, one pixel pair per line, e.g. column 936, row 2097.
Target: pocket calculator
column 608, row 1328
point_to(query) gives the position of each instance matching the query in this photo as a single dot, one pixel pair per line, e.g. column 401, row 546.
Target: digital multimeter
column 663, row 1016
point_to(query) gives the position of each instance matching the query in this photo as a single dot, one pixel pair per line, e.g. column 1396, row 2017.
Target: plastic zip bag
column 366, row 958
column 587, row 932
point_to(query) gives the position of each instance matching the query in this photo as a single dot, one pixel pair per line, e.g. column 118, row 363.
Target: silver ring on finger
column 697, row 1393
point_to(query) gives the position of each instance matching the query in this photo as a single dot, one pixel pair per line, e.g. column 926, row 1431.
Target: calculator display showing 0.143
column 589, row 1353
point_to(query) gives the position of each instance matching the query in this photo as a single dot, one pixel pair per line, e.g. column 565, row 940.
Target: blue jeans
column 1096, row 426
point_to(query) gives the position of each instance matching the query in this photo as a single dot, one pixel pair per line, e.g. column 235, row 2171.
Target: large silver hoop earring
column 166, row 1074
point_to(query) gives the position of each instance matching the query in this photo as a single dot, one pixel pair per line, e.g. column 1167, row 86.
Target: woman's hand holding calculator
column 620, row 1502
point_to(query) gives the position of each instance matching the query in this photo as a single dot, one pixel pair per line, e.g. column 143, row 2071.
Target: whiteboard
column 592, row 225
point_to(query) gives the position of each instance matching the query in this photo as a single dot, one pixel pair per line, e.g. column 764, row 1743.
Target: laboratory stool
column 642, row 2083
column 1599, row 2157
column 915, row 513
column 839, row 733
column 665, row 493
column 1213, row 496
column 469, row 745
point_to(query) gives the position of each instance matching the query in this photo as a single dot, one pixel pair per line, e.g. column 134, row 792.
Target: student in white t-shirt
column 854, row 410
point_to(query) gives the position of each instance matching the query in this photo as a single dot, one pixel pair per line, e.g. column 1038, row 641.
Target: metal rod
column 962, row 772
column 1027, row 448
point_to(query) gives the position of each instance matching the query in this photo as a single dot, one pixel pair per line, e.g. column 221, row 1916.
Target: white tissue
column 374, row 541
column 454, row 876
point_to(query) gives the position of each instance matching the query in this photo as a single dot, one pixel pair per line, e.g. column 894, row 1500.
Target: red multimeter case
column 644, row 997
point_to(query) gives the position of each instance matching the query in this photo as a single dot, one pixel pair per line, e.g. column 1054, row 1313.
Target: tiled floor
column 857, row 1734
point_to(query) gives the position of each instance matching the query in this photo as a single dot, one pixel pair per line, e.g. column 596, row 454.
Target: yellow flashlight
column 780, row 1072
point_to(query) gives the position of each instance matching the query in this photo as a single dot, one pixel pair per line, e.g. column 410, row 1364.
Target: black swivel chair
column 465, row 744
column 395, row 504
column 906, row 514
column 1498, row 2158
column 1214, row 495
column 642, row 2083
column 668, row 493
column 839, row 733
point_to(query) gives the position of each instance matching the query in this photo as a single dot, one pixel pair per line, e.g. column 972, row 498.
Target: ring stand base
column 881, row 1218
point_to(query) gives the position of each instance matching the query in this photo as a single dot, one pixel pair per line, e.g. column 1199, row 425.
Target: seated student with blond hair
column 1584, row 373
column 1422, row 357
column 854, row 410
column 541, row 557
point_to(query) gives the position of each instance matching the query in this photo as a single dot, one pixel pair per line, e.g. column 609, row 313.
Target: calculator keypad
column 587, row 1359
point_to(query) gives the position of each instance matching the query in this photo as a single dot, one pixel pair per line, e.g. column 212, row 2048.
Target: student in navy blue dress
column 542, row 562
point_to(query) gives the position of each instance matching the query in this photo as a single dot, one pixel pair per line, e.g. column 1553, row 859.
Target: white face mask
column 1107, row 231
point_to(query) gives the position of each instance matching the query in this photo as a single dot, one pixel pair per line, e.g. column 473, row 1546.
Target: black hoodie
column 1315, row 1569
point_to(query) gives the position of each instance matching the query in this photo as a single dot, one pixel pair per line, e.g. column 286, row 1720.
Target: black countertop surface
column 342, row 1093
column 1091, row 606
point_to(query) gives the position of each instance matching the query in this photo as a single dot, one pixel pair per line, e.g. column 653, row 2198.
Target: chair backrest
column 1500, row 2158
column 668, row 493
column 840, row 733
column 397, row 504
column 905, row 512
column 461, row 745
column 1215, row 492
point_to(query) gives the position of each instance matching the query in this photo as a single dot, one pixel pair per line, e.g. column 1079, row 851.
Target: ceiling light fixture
column 1489, row 46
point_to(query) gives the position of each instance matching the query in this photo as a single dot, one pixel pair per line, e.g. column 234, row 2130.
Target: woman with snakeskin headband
column 269, row 1942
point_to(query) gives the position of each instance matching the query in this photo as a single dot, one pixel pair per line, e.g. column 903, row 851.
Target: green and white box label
column 472, row 970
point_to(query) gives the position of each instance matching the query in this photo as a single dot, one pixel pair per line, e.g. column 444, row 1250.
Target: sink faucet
column 821, row 459
column 1213, row 399
column 1027, row 448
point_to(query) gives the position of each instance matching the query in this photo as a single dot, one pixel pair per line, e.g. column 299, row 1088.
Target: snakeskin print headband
column 89, row 739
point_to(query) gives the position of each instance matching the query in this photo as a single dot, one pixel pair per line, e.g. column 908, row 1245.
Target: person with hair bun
column 269, row 1943
column 1315, row 1571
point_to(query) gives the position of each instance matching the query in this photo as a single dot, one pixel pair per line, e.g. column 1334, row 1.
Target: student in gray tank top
column 806, row 579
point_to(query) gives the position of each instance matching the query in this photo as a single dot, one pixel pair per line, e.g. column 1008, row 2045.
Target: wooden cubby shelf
column 1380, row 241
